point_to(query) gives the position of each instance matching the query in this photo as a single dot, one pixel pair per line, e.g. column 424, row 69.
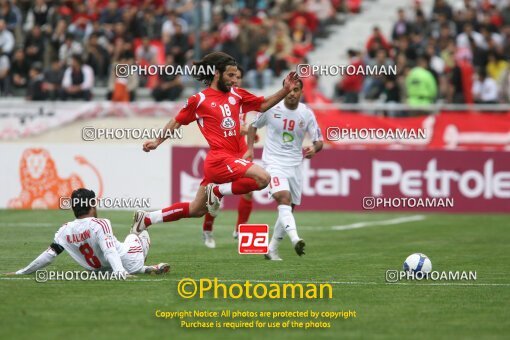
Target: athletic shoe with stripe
column 158, row 269
column 213, row 202
column 139, row 222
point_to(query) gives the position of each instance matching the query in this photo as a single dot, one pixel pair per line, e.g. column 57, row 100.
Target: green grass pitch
column 354, row 260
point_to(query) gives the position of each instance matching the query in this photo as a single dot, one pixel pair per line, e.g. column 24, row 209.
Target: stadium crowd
column 457, row 54
column 62, row 49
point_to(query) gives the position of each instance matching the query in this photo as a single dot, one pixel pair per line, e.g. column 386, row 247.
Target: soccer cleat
column 209, row 240
column 158, row 269
column 235, row 234
column 213, row 202
column 139, row 222
column 299, row 247
column 273, row 256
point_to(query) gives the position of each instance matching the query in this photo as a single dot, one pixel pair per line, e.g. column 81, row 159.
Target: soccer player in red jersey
column 245, row 204
column 216, row 111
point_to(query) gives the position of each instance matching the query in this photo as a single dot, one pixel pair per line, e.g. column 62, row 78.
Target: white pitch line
column 393, row 221
column 357, row 225
column 398, row 220
column 463, row 284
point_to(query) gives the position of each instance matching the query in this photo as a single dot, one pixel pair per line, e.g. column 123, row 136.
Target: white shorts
column 286, row 179
column 133, row 260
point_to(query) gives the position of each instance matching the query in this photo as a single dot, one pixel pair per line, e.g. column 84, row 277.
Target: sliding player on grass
column 245, row 205
column 89, row 240
column 216, row 111
column 287, row 123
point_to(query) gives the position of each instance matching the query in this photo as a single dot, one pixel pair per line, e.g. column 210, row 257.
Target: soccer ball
column 418, row 262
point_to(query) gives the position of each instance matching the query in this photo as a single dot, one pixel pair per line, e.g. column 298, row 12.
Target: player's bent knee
column 264, row 180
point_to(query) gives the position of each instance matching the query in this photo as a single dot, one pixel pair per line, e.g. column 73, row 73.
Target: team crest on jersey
column 213, row 104
column 301, row 124
column 228, row 123
column 232, row 100
column 288, row 137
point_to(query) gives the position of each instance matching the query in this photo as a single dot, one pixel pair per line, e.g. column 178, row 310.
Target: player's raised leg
column 237, row 177
column 255, row 178
column 196, row 208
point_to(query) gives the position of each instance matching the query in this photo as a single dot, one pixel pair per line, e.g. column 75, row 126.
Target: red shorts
column 224, row 168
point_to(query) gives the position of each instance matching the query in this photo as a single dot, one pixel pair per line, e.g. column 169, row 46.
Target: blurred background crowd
column 60, row 50
column 456, row 54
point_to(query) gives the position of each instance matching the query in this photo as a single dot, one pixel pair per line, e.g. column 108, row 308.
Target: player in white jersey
column 287, row 124
column 89, row 240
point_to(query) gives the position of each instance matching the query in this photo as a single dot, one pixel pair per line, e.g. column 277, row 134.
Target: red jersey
column 217, row 114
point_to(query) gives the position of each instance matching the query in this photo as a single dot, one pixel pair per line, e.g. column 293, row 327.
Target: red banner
column 460, row 131
column 346, row 180
column 447, row 130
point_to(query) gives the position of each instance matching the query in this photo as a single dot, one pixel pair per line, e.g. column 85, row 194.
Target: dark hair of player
column 299, row 81
column 82, row 200
column 219, row 60
column 241, row 70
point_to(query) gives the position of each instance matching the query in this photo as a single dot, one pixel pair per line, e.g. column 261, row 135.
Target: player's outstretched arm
column 42, row 260
column 252, row 132
column 153, row 144
column 312, row 150
column 289, row 83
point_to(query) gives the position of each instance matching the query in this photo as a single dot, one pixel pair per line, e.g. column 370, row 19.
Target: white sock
column 278, row 235
column 225, row 188
column 289, row 223
column 156, row 216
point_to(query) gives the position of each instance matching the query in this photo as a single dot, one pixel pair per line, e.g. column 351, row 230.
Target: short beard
column 221, row 85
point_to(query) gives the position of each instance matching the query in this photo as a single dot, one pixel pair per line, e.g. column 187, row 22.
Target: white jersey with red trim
column 87, row 239
column 286, row 130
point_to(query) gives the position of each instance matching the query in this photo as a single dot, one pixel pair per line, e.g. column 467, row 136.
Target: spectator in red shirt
column 310, row 18
column 301, row 38
column 376, row 41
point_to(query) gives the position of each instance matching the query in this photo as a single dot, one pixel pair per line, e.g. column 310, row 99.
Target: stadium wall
column 339, row 180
